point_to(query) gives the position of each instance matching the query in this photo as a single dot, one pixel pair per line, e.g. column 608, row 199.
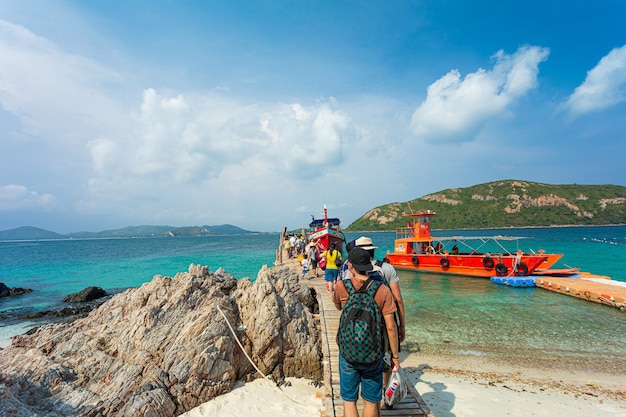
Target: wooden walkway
column 413, row 404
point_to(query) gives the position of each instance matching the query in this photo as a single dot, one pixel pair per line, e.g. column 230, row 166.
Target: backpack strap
column 366, row 288
column 349, row 287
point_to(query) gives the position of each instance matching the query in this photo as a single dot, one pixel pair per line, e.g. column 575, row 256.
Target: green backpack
column 360, row 333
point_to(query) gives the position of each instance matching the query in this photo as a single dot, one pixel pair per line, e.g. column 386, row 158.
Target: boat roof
column 320, row 222
column 483, row 238
column 475, row 243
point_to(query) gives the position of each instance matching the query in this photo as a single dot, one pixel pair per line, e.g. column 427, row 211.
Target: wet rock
column 8, row 292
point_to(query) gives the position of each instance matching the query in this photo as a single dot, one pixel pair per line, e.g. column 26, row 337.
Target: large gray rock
column 163, row 348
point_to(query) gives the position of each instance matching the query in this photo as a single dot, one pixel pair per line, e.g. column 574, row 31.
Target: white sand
column 468, row 387
column 262, row 398
column 451, row 388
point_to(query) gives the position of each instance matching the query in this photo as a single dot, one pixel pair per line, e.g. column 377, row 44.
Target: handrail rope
column 250, row 360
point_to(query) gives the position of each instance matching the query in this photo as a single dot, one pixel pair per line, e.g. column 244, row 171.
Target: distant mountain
column 28, row 233
column 130, row 231
column 508, row 203
column 33, row 233
column 227, row 229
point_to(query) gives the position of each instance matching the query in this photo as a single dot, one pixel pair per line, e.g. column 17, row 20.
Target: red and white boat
column 416, row 249
column 326, row 231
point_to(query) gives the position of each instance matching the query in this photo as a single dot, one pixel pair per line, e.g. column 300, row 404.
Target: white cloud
column 456, row 110
column 45, row 86
column 185, row 141
column 605, row 85
column 17, row 197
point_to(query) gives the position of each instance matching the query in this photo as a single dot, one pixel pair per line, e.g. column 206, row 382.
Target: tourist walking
column 313, row 255
column 333, row 257
column 354, row 374
column 305, row 266
column 391, row 278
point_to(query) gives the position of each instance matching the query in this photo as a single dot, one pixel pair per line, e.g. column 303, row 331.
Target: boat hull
column 324, row 237
column 475, row 265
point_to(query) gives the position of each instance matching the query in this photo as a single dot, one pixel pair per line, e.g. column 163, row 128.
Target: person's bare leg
column 350, row 410
column 370, row 409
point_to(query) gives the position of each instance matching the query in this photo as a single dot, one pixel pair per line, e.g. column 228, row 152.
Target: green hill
column 28, row 233
column 508, row 203
column 33, row 233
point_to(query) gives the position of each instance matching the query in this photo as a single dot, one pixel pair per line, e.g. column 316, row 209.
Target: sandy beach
column 466, row 386
column 452, row 387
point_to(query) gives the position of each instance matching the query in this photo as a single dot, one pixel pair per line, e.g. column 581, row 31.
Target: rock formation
column 7, row 292
column 88, row 294
column 164, row 348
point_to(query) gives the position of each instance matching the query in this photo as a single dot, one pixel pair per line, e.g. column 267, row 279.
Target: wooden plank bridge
column 413, row 404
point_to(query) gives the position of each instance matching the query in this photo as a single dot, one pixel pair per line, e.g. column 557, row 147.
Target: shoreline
column 451, row 386
column 568, row 377
column 462, row 386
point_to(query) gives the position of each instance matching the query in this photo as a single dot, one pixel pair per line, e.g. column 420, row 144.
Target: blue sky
column 117, row 113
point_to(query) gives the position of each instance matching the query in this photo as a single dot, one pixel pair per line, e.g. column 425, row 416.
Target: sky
column 260, row 113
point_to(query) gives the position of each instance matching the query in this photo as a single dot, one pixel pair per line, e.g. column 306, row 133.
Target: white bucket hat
column 365, row 243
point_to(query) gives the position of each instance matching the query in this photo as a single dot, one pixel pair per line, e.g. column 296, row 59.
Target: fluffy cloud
column 605, row 85
column 456, row 110
column 17, row 197
column 178, row 140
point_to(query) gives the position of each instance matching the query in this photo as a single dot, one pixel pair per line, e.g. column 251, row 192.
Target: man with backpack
column 391, row 278
column 367, row 306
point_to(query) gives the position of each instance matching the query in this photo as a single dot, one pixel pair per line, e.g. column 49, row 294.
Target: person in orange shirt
column 369, row 378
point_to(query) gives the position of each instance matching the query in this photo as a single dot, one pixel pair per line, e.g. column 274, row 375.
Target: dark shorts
column 368, row 377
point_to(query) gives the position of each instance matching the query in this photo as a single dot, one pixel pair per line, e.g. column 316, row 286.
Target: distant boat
column 325, row 231
column 415, row 249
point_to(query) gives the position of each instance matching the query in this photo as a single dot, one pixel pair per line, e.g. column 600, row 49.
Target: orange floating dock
column 588, row 287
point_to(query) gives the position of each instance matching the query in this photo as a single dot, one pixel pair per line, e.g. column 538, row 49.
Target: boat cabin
column 416, row 237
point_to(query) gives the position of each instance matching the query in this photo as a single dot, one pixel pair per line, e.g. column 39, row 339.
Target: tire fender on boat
column 521, row 269
column 501, row 269
column 415, row 260
column 445, row 263
column 488, row 262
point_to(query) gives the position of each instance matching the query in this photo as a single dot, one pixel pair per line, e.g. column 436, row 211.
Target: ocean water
column 446, row 314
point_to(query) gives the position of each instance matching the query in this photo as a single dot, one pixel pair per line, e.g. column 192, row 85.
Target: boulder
column 88, row 294
column 6, row 291
column 165, row 347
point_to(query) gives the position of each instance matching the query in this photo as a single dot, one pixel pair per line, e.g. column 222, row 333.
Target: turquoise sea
column 446, row 314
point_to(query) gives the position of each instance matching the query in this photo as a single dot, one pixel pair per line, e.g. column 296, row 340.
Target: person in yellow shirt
column 332, row 255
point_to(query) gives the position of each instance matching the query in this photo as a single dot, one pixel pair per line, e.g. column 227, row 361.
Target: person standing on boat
column 331, row 273
column 369, row 378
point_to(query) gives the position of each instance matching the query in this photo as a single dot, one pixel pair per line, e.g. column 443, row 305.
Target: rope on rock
column 239, row 343
column 250, row 359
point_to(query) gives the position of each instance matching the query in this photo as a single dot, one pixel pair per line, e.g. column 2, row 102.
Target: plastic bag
column 395, row 390
column 322, row 264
